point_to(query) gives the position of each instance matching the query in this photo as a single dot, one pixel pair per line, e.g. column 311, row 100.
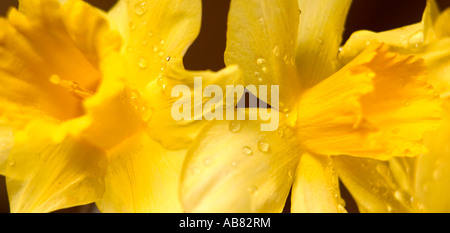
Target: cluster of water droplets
column 385, row 186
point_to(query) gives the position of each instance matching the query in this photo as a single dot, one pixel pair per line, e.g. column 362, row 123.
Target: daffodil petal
column 378, row 106
column 176, row 134
column 441, row 26
column 155, row 30
column 372, row 185
column 436, row 56
column 261, row 40
column 319, row 38
column 234, row 167
column 44, row 175
column 405, row 39
column 432, row 170
column 316, row 186
column 142, row 176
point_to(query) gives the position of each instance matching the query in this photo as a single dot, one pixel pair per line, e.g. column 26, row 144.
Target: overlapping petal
column 244, row 170
column 319, row 38
column 316, row 186
column 154, row 31
column 44, row 175
column 261, row 39
column 142, row 176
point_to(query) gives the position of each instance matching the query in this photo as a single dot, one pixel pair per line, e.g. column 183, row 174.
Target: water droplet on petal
column 261, row 62
column 55, row 79
column 146, row 113
column 234, row 126
column 246, row 150
column 143, row 63
column 276, row 51
column 416, row 40
column 263, row 146
column 140, row 8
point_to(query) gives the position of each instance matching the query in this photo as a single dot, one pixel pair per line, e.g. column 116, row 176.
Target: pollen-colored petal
column 441, row 26
column 244, row 170
column 261, row 40
column 432, row 174
column 154, row 31
column 316, row 186
column 378, row 106
column 319, row 38
column 142, row 176
column 372, row 185
column 177, row 134
column 44, row 175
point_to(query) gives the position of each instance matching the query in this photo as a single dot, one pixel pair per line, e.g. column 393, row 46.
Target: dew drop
column 168, row 58
column 234, row 126
column 162, row 42
column 389, row 208
column 382, row 170
column 416, row 40
column 161, row 81
column 261, row 62
column 263, row 146
column 403, row 197
column 258, row 76
column 132, row 26
column 143, row 63
column 146, row 113
column 140, row 8
column 280, row 132
column 246, row 150
column 261, row 20
column 55, row 79
column 276, row 51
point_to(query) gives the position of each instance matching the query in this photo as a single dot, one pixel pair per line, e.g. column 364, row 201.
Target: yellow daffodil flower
column 377, row 105
column 84, row 115
column 408, row 184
